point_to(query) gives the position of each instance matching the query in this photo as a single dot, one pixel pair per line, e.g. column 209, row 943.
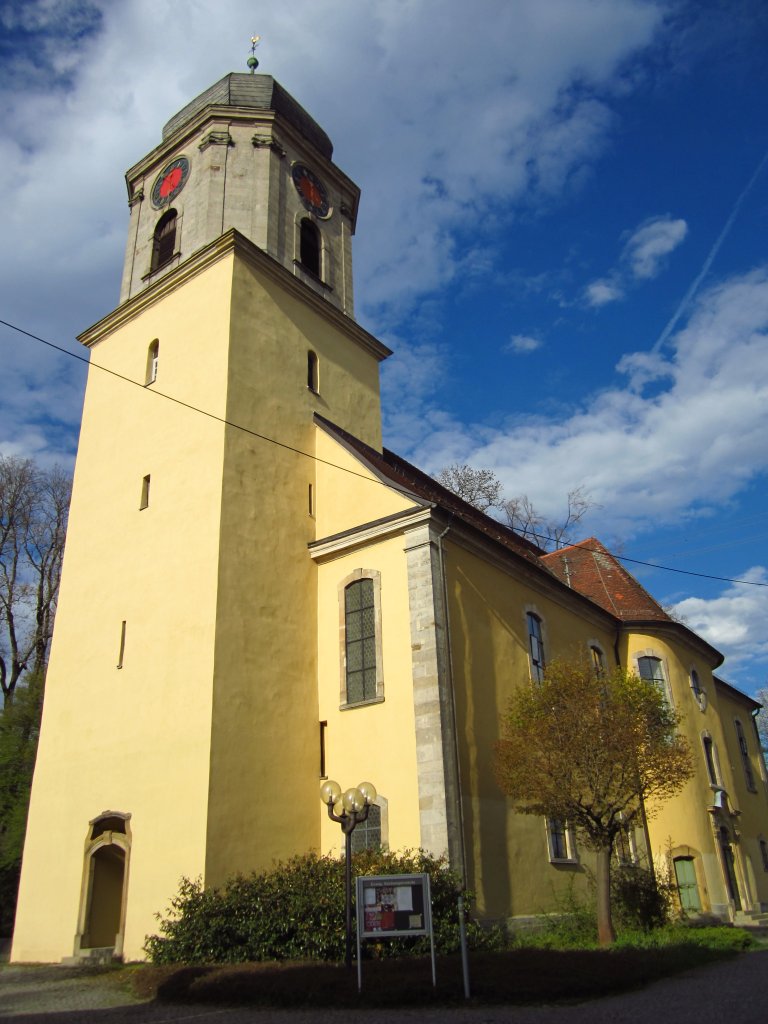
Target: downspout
column 454, row 729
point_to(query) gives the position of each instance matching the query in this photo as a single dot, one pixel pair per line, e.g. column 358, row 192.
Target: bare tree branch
column 479, row 487
column 34, row 504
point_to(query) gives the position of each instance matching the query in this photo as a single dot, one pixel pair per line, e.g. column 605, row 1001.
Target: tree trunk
column 605, row 932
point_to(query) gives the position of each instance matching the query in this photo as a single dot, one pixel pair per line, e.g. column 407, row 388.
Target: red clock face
column 311, row 190
column 169, row 182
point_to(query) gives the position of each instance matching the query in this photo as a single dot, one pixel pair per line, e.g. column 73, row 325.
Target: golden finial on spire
column 252, row 61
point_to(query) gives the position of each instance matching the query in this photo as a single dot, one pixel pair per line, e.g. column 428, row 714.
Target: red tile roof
column 590, row 568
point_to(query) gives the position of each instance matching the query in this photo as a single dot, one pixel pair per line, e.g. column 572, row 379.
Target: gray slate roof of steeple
column 261, row 92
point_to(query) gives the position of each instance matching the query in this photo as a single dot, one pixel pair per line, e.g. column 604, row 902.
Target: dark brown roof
column 592, row 570
column 423, row 489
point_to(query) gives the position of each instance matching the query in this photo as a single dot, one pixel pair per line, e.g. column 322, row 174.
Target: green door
column 685, row 873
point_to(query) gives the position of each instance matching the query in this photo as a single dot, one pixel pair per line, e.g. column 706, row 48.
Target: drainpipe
column 449, row 665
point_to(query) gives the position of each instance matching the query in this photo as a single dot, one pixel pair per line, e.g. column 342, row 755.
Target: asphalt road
column 734, row 990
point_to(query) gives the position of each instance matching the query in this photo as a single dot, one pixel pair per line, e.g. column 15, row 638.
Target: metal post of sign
column 359, row 958
column 393, row 906
column 463, row 941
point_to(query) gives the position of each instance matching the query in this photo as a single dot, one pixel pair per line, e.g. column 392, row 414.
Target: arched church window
column 312, row 381
column 309, row 247
column 153, row 354
column 367, row 835
column 164, row 240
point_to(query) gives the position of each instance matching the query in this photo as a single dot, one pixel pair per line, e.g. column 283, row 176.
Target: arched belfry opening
column 310, row 246
column 164, row 240
column 101, row 921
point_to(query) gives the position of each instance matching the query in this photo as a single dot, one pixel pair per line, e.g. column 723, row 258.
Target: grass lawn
column 521, row 975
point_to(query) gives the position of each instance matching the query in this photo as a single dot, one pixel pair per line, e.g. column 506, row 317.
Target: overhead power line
column 326, row 462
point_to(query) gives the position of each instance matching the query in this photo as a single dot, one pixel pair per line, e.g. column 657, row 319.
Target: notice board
column 390, row 906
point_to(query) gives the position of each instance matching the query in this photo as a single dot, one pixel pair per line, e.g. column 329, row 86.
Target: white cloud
column 522, row 344
column 648, row 244
column 734, row 623
column 604, row 290
column 692, row 443
column 642, row 258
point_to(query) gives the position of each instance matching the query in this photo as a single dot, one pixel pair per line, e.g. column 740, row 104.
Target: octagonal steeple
column 245, row 155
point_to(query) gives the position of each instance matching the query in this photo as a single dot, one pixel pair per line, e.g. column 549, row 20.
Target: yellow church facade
column 257, row 595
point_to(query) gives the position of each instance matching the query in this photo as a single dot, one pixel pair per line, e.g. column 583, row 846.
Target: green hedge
column 295, row 911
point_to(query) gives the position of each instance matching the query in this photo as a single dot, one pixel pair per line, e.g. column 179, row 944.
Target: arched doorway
column 101, row 923
column 104, row 912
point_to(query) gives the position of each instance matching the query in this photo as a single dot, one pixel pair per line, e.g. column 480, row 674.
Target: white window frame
column 569, row 838
column 666, row 687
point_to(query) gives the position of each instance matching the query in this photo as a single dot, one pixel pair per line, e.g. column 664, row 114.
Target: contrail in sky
column 688, row 297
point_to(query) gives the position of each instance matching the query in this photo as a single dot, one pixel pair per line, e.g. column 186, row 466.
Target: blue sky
column 562, row 235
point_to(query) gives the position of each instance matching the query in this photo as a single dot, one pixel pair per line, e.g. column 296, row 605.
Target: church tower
column 180, row 728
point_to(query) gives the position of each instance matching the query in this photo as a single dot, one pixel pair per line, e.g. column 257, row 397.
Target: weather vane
column 252, row 61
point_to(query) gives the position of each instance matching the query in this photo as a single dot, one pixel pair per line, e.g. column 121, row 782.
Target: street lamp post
column 349, row 809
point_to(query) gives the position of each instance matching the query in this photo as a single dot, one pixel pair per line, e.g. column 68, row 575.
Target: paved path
column 735, row 990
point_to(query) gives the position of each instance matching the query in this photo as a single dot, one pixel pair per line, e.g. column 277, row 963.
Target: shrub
column 295, row 911
column 639, row 900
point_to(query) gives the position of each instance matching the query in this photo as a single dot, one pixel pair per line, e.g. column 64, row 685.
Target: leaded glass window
column 360, row 639
column 367, row 835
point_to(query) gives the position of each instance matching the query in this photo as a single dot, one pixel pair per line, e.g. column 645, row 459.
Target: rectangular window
column 311, row 500
column 764, row 853
column 144, row 492
column 360, row 641
column 560, row 840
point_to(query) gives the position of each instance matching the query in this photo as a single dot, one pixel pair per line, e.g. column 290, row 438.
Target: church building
column 257, row 595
